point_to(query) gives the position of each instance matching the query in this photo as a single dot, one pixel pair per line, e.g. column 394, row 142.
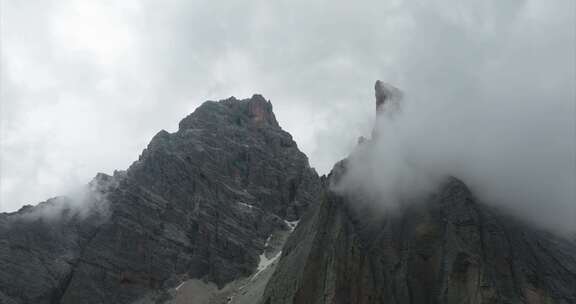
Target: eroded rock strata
column 198, row 203
column 208, row 215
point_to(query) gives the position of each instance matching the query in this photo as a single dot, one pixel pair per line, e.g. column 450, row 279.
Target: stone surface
column 208, row 214
column 445, row 247
column 198, row 203
column 448, row 248
column 388, row 98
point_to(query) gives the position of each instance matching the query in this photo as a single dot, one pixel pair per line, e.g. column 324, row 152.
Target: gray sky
column 86, row 84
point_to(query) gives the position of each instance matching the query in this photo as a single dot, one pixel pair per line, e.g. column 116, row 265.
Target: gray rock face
column 199, row 203
column 388, row 98
column 202, row 202
column 448, row 248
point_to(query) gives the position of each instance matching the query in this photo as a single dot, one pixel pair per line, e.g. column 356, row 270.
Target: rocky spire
column 210, row 201
column 388, row 98
column 388, row 103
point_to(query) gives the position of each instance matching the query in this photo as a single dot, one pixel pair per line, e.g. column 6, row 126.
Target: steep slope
column 199, row 203
column 446, row 247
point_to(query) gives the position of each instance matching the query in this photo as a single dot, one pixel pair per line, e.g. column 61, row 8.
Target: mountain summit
column 228, row 210
column 199, row 203
column 446, row 246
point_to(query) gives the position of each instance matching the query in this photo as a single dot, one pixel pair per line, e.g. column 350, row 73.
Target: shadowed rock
column 388, row 98
column 212, row 204
column 445, row 248
column 198, row 203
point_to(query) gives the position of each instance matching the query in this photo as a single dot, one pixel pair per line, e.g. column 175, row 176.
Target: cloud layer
column 85, row 85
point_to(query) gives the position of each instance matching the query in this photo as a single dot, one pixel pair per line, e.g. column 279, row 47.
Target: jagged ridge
column 448, row 248
column 199, row 203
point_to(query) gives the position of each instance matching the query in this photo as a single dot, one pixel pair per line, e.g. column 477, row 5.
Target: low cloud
column 514, row 149
column 79, row 203
column 85, row 85
column 489, row 97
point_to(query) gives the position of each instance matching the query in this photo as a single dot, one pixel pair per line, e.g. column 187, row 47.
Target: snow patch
column 245, row 205
column 178, row 287
column 265, row 263
column 292, row 225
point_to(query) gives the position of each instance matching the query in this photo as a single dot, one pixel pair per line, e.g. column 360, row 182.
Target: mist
column 85, row 85
column 77, row 204
column 515, row 148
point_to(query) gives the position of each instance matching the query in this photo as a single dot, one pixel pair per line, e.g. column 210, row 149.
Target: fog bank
column 514, row 148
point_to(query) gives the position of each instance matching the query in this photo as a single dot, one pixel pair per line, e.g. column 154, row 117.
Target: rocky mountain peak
column 227, row 210
column 445, row 247
column 388, row 98
column 200, row 203
column 260, row 111
column 255, row 111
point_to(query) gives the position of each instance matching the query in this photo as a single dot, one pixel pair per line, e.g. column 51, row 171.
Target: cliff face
column 205, row 212
column 448, row 248
column 445, row 247
column 199, row 203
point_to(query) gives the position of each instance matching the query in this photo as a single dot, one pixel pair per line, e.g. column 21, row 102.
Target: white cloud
column 85, row 85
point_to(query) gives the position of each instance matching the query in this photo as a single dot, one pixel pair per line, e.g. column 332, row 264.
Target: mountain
column 199, row 203
column 228, row 210
column 444, row 247
column 447, row 248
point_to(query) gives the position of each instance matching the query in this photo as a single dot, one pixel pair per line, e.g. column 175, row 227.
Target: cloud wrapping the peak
column 85, row 85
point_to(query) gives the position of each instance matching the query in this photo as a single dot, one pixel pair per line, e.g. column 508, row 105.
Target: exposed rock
column 205, row 213
column 449, row 248
column 199, row 203
column 246, row 290
column 446, row 247
column 388, row 98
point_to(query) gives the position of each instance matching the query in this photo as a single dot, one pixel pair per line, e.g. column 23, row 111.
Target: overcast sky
column 86, row 84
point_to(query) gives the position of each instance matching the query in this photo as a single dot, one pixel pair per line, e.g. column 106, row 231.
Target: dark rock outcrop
column 445, row 247
column 199, row 203
column 388, row 98
column 204, row 206
column 448, row 248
